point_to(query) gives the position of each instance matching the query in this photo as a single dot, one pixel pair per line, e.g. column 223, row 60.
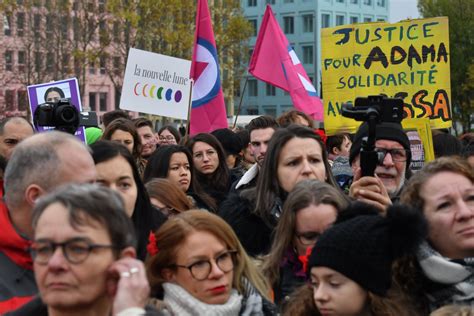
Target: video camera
column 63, row 116
column 374, row 110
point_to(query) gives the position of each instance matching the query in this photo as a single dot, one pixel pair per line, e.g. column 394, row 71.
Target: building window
column 288, row 1
column 103, row 65
column 38, row 61
column 117, row 62
column 368, row 2
column 101, row 6
column 49, row 25
column 65, row 63
column 22, row 100
column 253, row 23
column 9, row 60
column 308, row 55
column 116, row 30
column 103, row 101
column 92, row 67
column 355, row 1
column 381, row 3
column 253, row 88
column 367, row 19
column 49, row 62
column 270, row 1
column 20, row 23
column 251, row 3
column 37, row 24
column 252, row 111
column 270, row 90
column 354, row 19
column 381, row 19
column 325, row 20
column 270, row 110
column 7, row 19
column 339, row 20
column 64, row 26
column 21, row 60
column 288, row 25
column 308, row 23
column 340, row 1
column 10, row 100
column 92, row 102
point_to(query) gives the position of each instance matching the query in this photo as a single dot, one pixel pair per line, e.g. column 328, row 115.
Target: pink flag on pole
column 275, row 62
column 208, row 111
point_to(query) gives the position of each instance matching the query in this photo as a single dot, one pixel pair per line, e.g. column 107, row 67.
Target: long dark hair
column 159, row 164
column 268, row 189
column 145, row 218
column 219, row 179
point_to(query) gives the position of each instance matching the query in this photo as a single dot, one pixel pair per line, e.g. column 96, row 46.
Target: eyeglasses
column 75, row 250
column 398, row 154
column 168, row 211
column 308, row 238
column 200, row 155
column 201, row 269
column 169, row 137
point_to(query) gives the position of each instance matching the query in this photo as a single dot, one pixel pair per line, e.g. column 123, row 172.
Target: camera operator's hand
column 370, row 190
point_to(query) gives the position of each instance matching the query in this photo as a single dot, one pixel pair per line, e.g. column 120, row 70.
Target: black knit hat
column 364, row 246
column 384, row 130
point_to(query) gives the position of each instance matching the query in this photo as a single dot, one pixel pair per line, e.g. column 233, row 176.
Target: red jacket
column 17, row 282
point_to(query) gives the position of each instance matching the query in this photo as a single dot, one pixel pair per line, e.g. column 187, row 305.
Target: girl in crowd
column 294, row 154
column 311, row 207
column 210, row 165
column 168, row 135
column 175, row 163
column 350, row 266
column 197, row 262
column 442, row 271
column 116, row 169
column 167, row 197
column 123, row 131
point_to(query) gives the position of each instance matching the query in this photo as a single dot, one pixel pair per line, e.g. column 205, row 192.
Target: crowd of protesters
column 272, row 219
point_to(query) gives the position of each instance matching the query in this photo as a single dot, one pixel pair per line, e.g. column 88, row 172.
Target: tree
column 461, row 35
column 167, row 27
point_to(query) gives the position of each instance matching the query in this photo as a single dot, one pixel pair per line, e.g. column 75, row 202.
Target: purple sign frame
column 70, row 88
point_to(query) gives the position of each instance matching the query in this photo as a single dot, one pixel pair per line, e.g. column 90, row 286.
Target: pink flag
column 208, row 108
column 275, row 62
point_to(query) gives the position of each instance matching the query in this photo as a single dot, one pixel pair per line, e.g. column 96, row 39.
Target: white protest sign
column 156, row 84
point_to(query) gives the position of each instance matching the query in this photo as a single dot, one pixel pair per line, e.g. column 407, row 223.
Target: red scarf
column 11, row 243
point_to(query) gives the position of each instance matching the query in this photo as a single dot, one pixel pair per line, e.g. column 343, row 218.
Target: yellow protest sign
column 408, row 60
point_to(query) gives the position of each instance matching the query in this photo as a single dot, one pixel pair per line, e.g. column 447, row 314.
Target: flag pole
column 240, row 102
column 190, row 102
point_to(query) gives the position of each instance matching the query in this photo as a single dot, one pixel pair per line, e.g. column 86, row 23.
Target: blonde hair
column 454, row 310
column 175, row 231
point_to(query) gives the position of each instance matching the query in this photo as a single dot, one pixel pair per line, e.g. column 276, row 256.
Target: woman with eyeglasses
column 116, row 169
column 84, row 257
column 167, row 197
column 210, row 166
column 311, row 207
column 168, row 135
column 198, row 266
column 175, row 163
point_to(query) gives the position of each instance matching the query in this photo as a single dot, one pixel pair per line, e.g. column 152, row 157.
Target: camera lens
column 68, row 115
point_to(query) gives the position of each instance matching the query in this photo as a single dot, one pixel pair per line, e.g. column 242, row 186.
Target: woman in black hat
column 350, row 267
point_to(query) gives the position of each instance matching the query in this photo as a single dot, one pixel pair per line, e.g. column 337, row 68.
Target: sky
column 403, row 9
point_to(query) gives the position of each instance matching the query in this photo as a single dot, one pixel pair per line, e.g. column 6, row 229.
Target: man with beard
column 390, row 174
column 147, row 136
column 261, row 130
